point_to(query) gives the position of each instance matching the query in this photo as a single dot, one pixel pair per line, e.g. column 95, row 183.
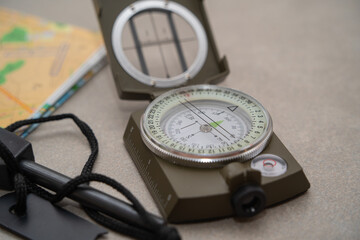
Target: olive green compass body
column 207, row 152
column 204, row 151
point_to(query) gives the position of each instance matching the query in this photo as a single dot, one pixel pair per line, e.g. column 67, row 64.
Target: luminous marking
column 167, row 107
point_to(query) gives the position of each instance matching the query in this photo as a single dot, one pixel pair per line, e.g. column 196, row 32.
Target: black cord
column 23, row 186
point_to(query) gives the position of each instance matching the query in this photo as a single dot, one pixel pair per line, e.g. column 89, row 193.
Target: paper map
column 36, row 57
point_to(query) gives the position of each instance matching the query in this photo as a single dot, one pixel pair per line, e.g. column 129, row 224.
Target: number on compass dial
column 205, row 126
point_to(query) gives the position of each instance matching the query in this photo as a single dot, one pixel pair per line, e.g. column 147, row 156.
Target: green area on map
column 10, row 67
column 61, row 25
column 17, row 34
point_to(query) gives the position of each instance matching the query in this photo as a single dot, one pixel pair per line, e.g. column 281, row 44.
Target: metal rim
column 187, row 15
column 217, row 160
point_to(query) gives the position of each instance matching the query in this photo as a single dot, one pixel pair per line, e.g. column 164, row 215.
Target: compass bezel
column 202, row 160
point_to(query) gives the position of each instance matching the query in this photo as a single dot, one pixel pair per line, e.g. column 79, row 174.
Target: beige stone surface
column 301, row 59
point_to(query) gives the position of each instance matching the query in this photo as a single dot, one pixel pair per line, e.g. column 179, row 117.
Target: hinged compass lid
column 156, row 45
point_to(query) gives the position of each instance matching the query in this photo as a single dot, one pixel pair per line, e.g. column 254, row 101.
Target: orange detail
column 15, row 99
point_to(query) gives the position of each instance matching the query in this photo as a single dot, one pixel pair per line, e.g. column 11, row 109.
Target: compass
column 206, row 126
column 203, row 151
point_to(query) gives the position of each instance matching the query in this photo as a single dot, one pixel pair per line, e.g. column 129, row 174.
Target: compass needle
column 215, row 124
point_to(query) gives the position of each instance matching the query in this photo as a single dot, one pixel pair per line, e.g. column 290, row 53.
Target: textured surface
column 299, row 58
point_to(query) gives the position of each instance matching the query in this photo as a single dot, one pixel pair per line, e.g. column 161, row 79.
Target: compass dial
column 188, row 129
column 205, row 126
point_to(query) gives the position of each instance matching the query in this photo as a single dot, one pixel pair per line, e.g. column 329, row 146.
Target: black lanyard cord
column 23, row 186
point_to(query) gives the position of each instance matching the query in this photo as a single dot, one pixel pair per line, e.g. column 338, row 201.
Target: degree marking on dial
column 252, row 111
column 252, row 120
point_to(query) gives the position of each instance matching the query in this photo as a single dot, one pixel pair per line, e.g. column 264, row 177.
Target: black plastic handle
column 85, row 195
